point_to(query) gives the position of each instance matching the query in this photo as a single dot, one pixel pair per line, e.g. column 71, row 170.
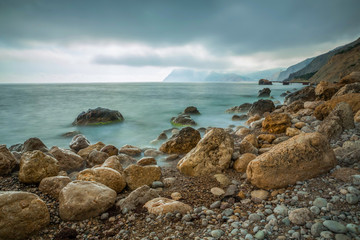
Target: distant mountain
column 187, row 75
column 294, row 68
column 318, row 62
column 269, row 74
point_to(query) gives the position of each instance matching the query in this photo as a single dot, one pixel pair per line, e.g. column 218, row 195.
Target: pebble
column 260, row 235
column 315, row 210
column 351, row 198
column 157, row 184
column 254, row 217
column 217, row 191
column 335, row 226
column 353, row 228
column 342, row 237
column 327, row 235
column 215, row 204
column 320, row 202
column 217, row 233
column 281, row 210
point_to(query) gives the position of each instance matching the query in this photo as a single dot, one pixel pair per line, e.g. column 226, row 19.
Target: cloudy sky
column 95, row 41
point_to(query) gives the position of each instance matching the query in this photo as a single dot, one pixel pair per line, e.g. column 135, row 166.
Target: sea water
column 46, row 111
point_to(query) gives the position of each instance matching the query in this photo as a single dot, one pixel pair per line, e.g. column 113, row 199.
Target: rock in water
column 299, row 158
column 182, row 142
column 304, row 94
column 98, row 116
column 260, row 107
column 211, row 155
column 34, row 166
column 276, row 123
column 137, row 176
column 22, row 214
column 182, row 120
column 79, row 142
column 68, row 160
column 238, row 109
column 264, row 92
column 81, row 200
column 191, row 110
column 7, row 161
column 161, row 206
column 264, row 82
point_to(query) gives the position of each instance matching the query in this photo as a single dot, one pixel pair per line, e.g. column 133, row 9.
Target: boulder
column 182, row 142
column 300, row 216
column 162, row 136
column 264, row 82
column 147, row 161
column 357, row 117
column 265, row 92
column 137, row 176
column 304, row 94
column 292, row 131
column 294, row 107
column 84, row 153
column 107, row 176
column 260, row 107
column 349, row 88
column 96, row 158
column 111, row 150
column 325, row 90
column 98, row 116
column 211, row 155
column 251, row 138
column 242, row 162
column 242, row 131
column 182, row 120
column 238, row 109
column 35, row 165
column 16, row 147
column 79, row 142
column 152, row 153
column 247, row 147
column 191, row 110
column 126, row 160
column 161, row 206
column 81, row 200
column 114, row 163
column 7, row 161
column 33, row 144
column 239, row 117
column 252, row 119
column 312, row 104
column 137, row 198
column 301, row 157
column 266, row 137
column 22, row 214
column 351, row 78
column 53, row 185
column 323, row 110
column 276, row 123
column 130, row 150
column 67, row 160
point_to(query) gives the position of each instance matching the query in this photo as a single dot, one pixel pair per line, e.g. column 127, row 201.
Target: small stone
column 351, row 198
column 217, row 233
column 320, row 202
column 342, row 237
column 259, row 194
column 157, row 184
column 353, row 228
column 104, row 216
column 215, row 204
column 176, row 196
column 300, row 216
column 281, row 210
column 254, row 217
column 327, row 235
column 356, row 179
column 315, row 210
column 335, row 226
column 217, row 191
column 222, row 179
column 228, row 212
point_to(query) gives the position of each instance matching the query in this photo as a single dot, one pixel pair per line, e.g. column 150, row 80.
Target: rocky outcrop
column 98, row 116
column 137, row 176
column 33, row 144
column 191, row 110
column 264, row 92
column 264, row 82
column 211, row 155
column 260, row 107
column 81, row 200
column 79, row 142
column 34, row 166
column 276, row 123
column 325, row 90
column 67, row 160
column 304, row 94
column 242, row 162
column 183, row 120
column 182, row 142
column 53, row 185
column 238, row 109
column 349, row 88
column 130, row 150
column 7, row 161
column 22, row 214
column 351, row 78
column 137, row 198
column 107, row 176
column 161, row 206
column 299, row 158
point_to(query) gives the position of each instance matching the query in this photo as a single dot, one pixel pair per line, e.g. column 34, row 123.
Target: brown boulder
column 182, row 142
column 260, row 107
column 68, row 160
column 325, row 90
column 161, row 206
column 246, row 147
column 299, row 158
column 7, row 161
column 33, row 144
column 351, row 78
column 137, row 198
column 304, row 94
column 276, row 123
column 251, row 138
column 96, row 158
column 242, row 162
column 114, row 163
column 130, row 150
column 357, row 117
column 147, row 161
column 253, row 119
column 84, row 153
column 266, row 137
column 110, row 150
column 53, row 185
column 349, row 88
column 137, row 176
column 292, row 131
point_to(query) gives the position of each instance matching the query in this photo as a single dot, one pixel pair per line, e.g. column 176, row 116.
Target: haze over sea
column 46, row 111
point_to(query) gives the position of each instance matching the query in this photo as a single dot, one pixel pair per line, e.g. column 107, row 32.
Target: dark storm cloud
column 224, row 27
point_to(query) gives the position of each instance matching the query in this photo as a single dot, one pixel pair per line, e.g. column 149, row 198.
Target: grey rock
column 281, row 210
column 260, row 235
column 352, row 198
column 157, row 184
column 327, row 235
column 342, row 237
column 315, row 210
column 137, row 198
column 217, row 233
column 353, row 228
column 254, row 217
column 335, row 226
column 320, row 202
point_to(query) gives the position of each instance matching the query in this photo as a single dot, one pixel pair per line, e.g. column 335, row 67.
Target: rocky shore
column 291, row 173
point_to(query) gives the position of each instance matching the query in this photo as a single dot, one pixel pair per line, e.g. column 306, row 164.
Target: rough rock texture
column 349, row 88
column 147, row 161
column 68, row 160
column 259, row 194
column 276, row 123
column 238, row 109
column 182, row 120
column 191, row 110
column 130, row 150
column 211, row 155
column 292, row 132
column 344, row 174
column 96, row 158
column 98, row 116
column 22, row 214
column 7, row 161
column 251, row 138
column 81, row 200
column 114, row 163
column 34, row 166
column 323, row 110
column 304, row 94
column 34, row 144
column 126, row 160
column 111, row 150
column 264, row 92
column 325, row 90
column 357, row 117
column 107, row 176
column 164, row 205
column 137, row 176
column 351, row 78
column 137, row 198
column 264, row 82
column 300, row 216
column 242, row 162
column 182, row 142
column 295, row 106
column 301, row 157
column 79, row 142
column 84, row 153
column 266, row 137
column 260, row 107
column 53, row 185
column 247, row 147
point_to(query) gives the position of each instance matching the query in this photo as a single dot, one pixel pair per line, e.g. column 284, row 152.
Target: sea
column 47, row 111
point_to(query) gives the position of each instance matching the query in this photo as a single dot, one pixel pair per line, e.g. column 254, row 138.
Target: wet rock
column 304, row 94
column 98, row 116
column 238, row 109
column 242, row 162
column 191, row 110
column 260, row 107
column 34, row 144
column 53, row 185
column 182, row 142
column 137, row 198
column 7, row 161
column 152, row 153
column 67, row 160
column 137, row 176
column 111, row 150
column 276, row 123
column 70, row 134
column 79, row 142
column 160, row 206
column 162, row 136
column 130, row 150
column 183, row 120
column 265, row 92
column 16, row 147
column 300, row 216
column 239, row 117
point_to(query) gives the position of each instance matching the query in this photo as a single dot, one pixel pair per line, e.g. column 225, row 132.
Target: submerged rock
column 191, row 110
column 264, row 82
column 130, row 150
column 238, row 109
column 182, row 142
column 98, row 116
column 264, row 92
column 260, row 107
column 183, row 120
column 304, row 94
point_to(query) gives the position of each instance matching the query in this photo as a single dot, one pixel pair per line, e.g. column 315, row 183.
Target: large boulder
column 238, row 109
column 34, row 166
column 22, row 214
column 349, row 88
column 161, row 206
column 111, row 150
column 79, row 142
column 81, row 200
column 301, row 157
column 264, row 82
column 182, row 142
column 137, row 176
column 53, row 185
column 276, row 123
column 96, row 158
column 240, row 165
column 323, row 110
column 325, row 90
column 211, row 155
column 304, row 94
column 182, row 120
column 68, row 160
column 7, row 161
column 130, row 150
column 260, row 107
column 137, row 198
column 191, row 110
column 33, row 144
column 265, row 92
column 114, row 163
column 107, row 176
column 98, row 116
column 84, row 153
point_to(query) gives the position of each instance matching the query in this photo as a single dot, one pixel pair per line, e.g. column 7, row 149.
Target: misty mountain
column 187, row 75
column 294, row 68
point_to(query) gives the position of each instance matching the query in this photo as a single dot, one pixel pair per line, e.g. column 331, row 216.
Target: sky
column 141, row 40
